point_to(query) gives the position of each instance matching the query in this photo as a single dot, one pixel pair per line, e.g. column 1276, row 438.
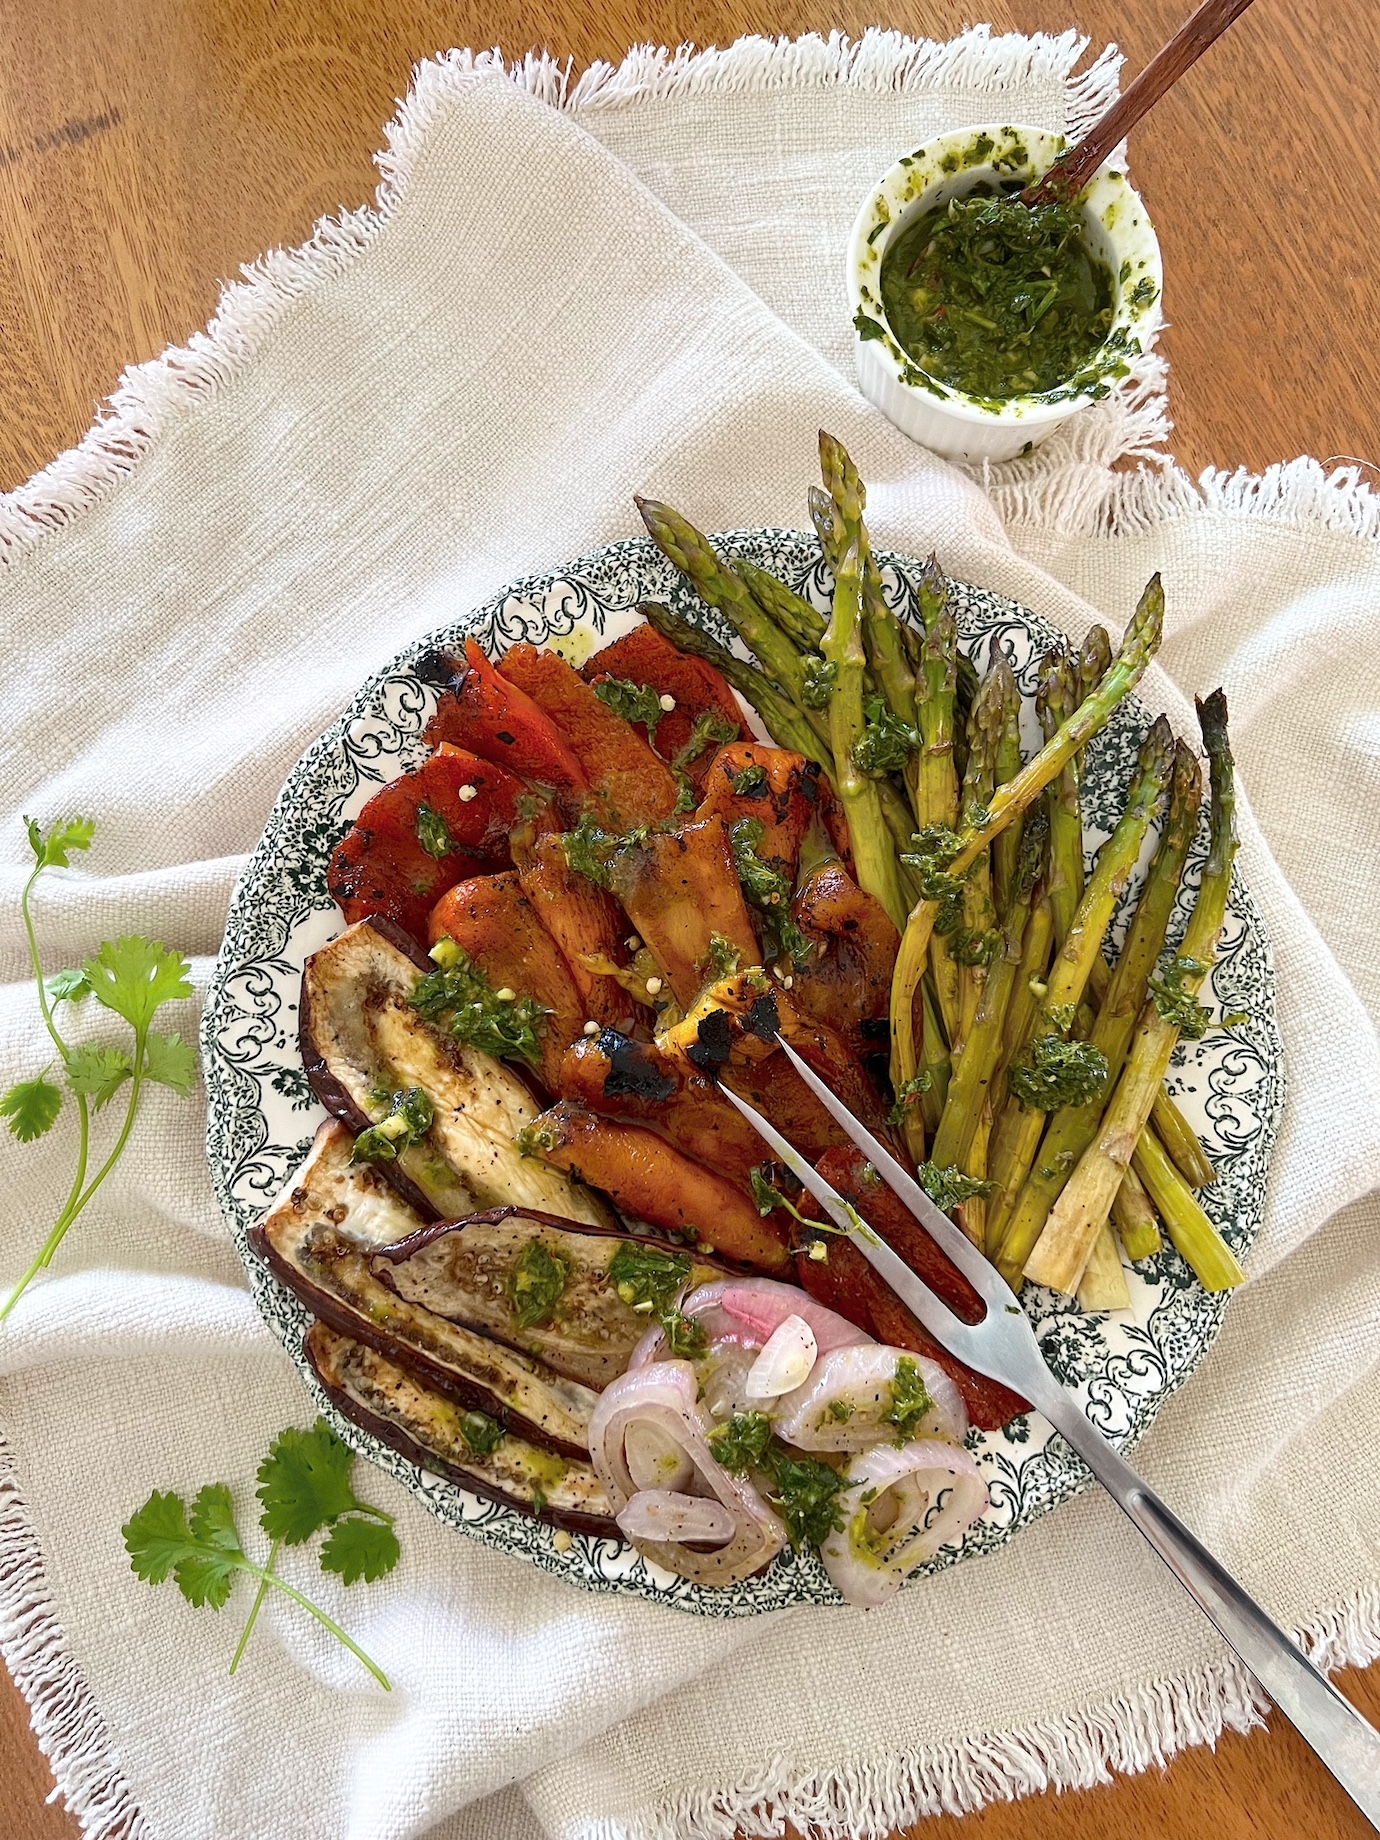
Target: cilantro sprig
column 304, row 1486
column 131, row 977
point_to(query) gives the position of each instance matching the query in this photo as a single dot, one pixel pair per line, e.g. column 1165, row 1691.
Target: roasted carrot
column 636, row 784
column 497, row 720
column 680, row 889
column 649, row 1179
column 420, row 835
column 492, row 920
column 846, row 981
column 643, row 657
column 581, row 918
column 620, row 1078
column 780, row 789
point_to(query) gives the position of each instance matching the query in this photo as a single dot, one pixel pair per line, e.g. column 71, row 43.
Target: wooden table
column 149, row 148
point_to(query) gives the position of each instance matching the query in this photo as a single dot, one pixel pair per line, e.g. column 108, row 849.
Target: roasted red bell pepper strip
column 643, row 657
column 420, row 835
column 494, row 718
column 636, row 784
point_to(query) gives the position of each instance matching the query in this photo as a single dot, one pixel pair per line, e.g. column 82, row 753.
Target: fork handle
column 1346, row 1743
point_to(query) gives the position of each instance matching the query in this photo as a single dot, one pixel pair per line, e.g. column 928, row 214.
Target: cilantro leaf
column 157, row 1536
column 67, row 987
column 98, row 1073
column 135, row 977
column 207, row 1571
column 31, row 1108
column 357, row 1548
column 304, row 1483
column 51, row 848
column 171, row 1062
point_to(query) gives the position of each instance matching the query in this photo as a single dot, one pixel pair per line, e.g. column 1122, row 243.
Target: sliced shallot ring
column 664, row 1395
column 747, row 1310
column 932, row 1493
column 859, row 1382
column 665, row 1515
column 786, row 1361
column 655, row 1461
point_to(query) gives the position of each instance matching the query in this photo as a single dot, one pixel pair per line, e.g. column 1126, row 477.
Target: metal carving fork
column 1003, row 1346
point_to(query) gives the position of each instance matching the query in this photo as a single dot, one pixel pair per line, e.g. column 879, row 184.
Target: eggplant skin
column 361, row 1039
column 461, row 1270
column 318, row 1238
column 390, row 1404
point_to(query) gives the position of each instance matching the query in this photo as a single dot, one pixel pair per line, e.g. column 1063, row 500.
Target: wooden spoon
column 1072, row 170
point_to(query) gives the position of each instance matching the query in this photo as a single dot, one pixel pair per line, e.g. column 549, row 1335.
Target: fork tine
column 985, row 1278
column 938, row 1318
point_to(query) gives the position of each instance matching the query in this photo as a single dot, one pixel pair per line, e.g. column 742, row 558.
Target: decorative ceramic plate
column 263, row 1112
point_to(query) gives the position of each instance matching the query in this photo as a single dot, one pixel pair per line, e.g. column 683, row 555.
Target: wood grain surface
column 149, row 148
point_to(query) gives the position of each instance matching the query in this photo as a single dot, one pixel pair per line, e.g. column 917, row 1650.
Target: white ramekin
column 1118, row 232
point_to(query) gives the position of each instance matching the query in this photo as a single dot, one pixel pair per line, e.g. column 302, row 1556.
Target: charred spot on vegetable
column 633, row 1070
column 482, row 1433
column 1051, row 1073
column 713, row 1042
column 762, row 1018
column 1176, row 1003
column 886, row 742
column 536, row 1284
column 409, row 1118
column 910, row 1400
column 949, row 1187
column 433, row 833
column 458, row 997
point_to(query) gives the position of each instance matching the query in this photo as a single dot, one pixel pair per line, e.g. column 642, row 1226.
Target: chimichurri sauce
column 994, row 298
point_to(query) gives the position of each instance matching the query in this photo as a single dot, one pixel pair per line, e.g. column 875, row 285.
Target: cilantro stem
column 280, row 1584
column 83, row 1109
column 257, row 1605
column 75, row 1205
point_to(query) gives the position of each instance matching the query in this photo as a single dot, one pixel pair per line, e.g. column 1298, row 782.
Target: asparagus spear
column 800, row 622
column 1138, row 647
column 873, row 850
column 1056, row 698
column 1039, row 1063
column 970, row 1087
column 1076, row 1218
column 934, row 786
column 975, row 942
column 883, row 641
column 1094, row 660
column 1104, row 1284
column 1006, row 851
column 1181, row 1141
column 1073, row 1128
column 1193, row 1234
column 1136, row 1219
column 717, row 585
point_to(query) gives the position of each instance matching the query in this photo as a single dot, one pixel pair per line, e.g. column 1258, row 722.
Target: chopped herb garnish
column 459, row 997
column 590, row 848
column 482, row 1433
column 433, row 833
column 649, row 1281
column 1179, row 1005
column 768, row 890
column 634, row 702
column 840, row 1411
column 740, row 1443
column 948, row 1188
column 410, row 1114
column 886, row 742
column 724, row 956
column 751, row 783
column 908, row 1095
column 804, row 1490
column 910, row 1399
column 821, row 678
column 1051, row 1073
column 685, row 1339
column 536, row 1284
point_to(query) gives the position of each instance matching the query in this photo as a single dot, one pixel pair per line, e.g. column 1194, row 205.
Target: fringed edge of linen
column 151, row 397
column 871, row 1798
column 66, row 1720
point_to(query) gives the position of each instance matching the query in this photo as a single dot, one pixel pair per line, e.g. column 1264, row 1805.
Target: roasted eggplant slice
column 653, row 1181
column 362, row 1041
column 537, row 1283
column 319, row 1237
column 431, row 1431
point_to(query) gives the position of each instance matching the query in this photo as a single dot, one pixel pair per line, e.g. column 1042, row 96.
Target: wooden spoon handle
column 1071, row 172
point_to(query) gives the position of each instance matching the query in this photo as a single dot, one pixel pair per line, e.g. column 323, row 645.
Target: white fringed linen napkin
column 563, row 297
